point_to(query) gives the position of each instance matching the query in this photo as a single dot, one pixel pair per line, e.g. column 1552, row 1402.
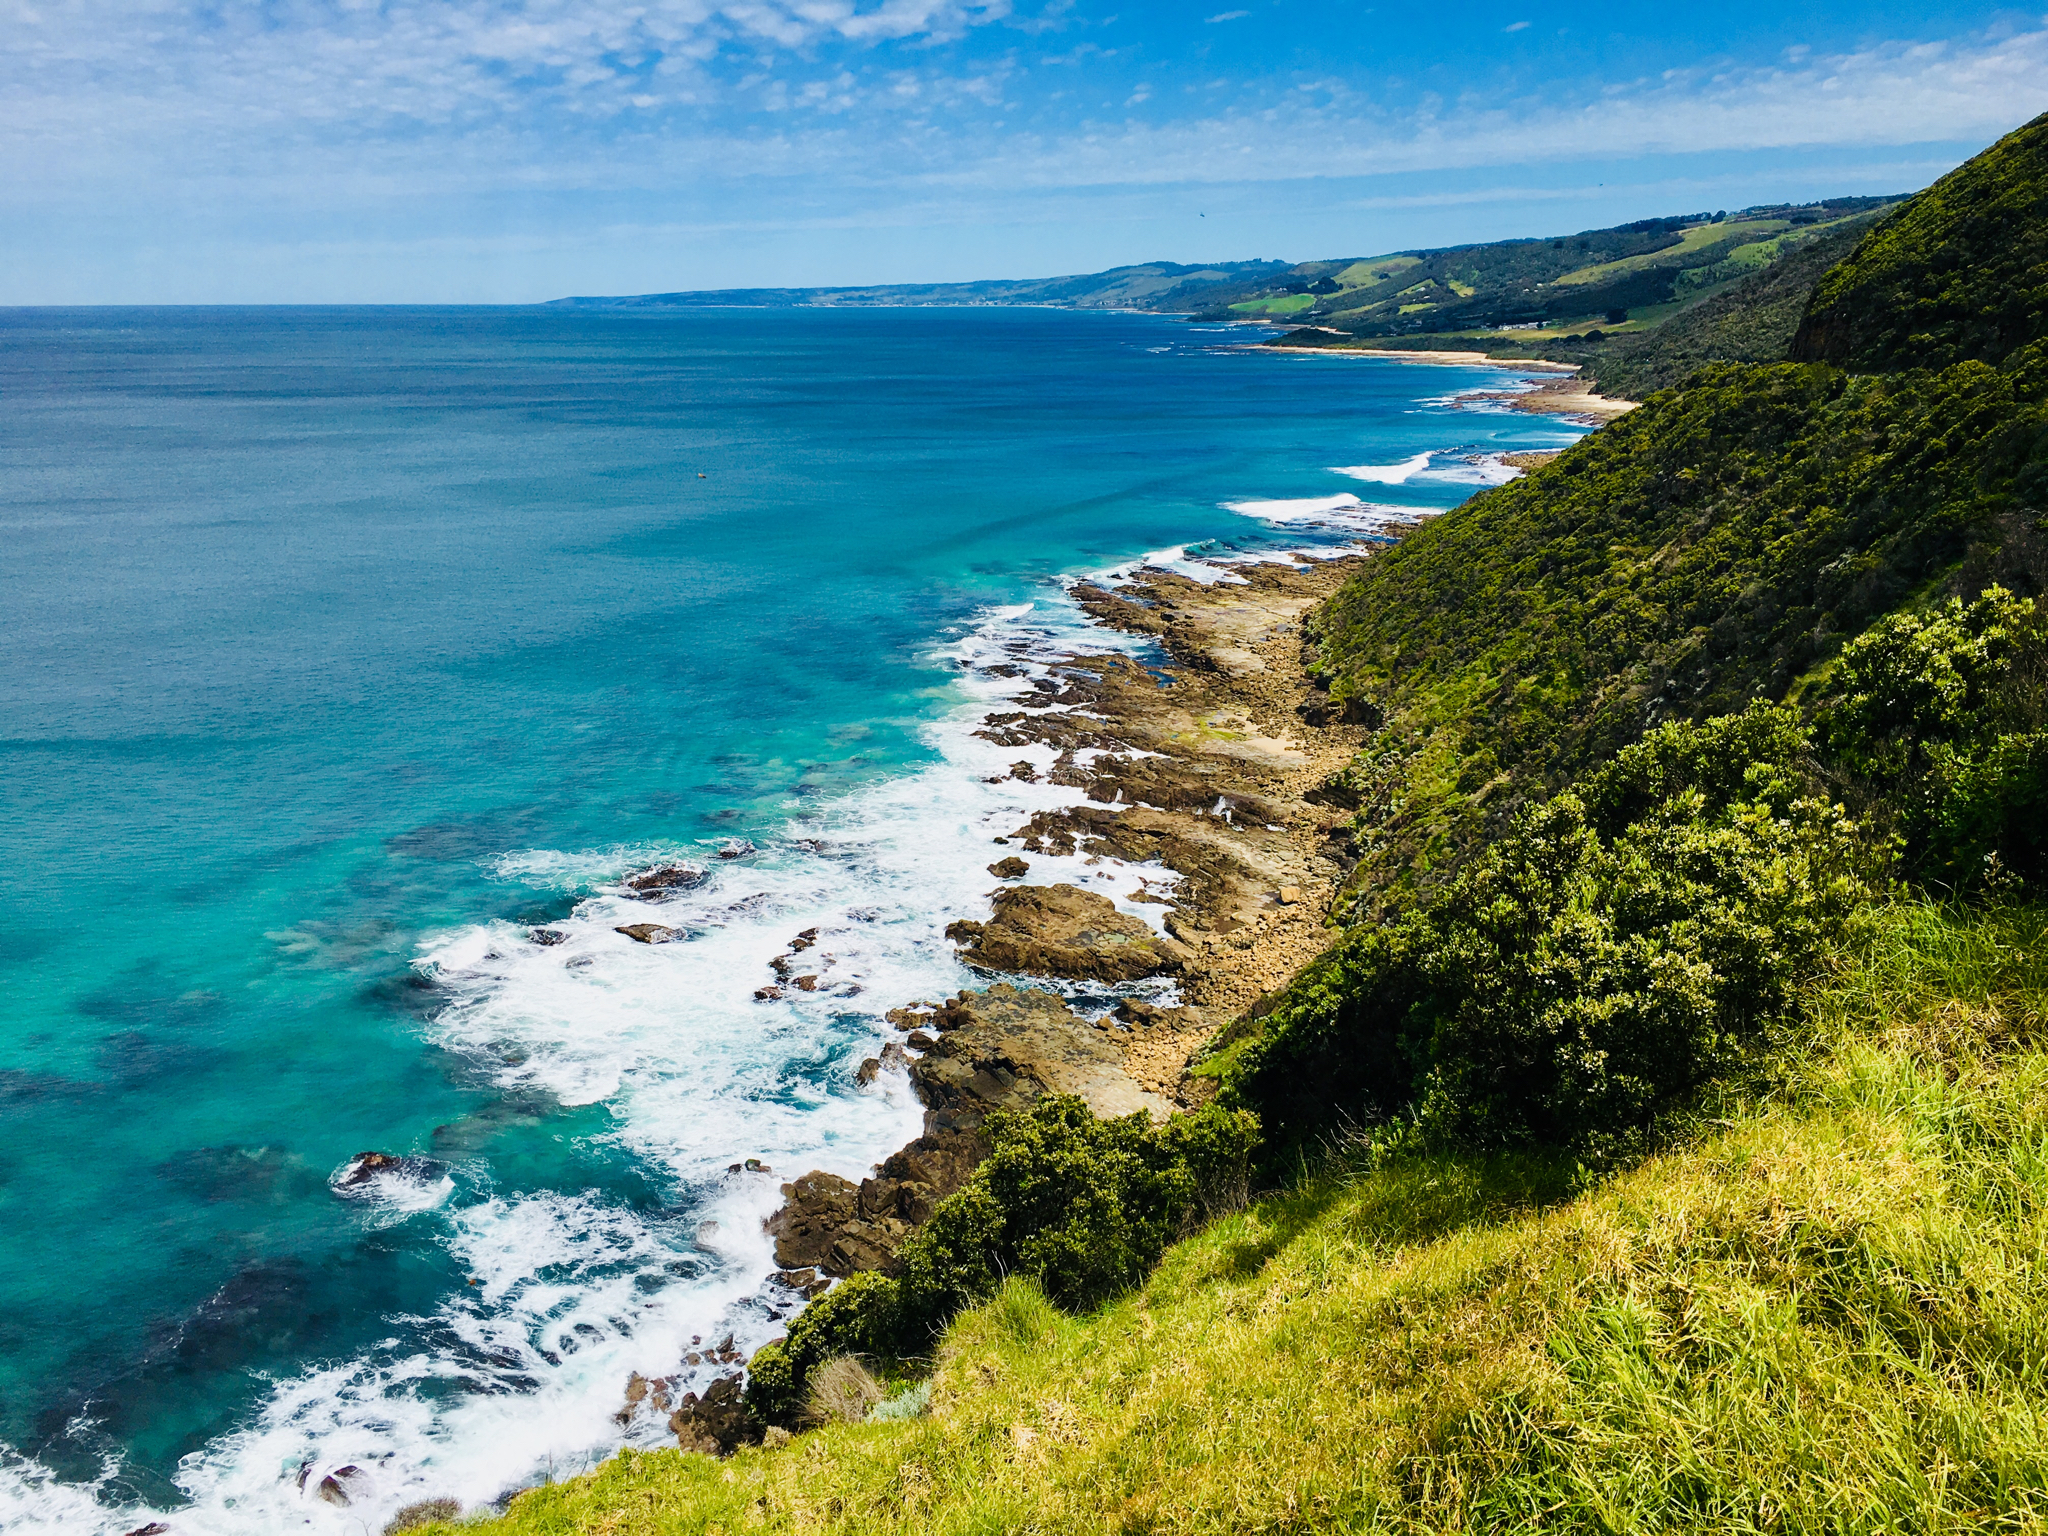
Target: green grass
column 1363, row 274
column 1828, row 1311
column 1698, row 238
column 1285, row 304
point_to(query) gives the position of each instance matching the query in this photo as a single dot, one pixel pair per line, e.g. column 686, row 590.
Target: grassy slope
column 1829, row 1313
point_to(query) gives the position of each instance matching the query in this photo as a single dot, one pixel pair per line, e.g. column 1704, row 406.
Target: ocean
column 347, row 648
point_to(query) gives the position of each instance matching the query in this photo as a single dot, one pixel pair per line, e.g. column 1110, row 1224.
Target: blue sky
column 510, row 150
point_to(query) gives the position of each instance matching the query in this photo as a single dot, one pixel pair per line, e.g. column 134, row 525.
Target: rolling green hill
column 1749, row 321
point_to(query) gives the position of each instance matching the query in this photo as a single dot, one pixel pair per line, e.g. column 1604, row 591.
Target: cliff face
column 1959, row 273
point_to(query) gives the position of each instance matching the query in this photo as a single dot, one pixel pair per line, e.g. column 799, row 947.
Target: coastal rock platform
column 1219, row 767
column 1061, row 930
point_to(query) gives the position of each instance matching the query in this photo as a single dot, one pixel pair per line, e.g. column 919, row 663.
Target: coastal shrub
column 1082, row 1204
column 841, row 1391
column 860, row 1315
column 1588, row 971
column 1762, row 756
column 1939, row 716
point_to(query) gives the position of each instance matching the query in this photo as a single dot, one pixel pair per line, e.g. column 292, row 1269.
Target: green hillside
column 1659, row 1145
column 1614, row 281
column 1749, row 321
column 1546, row 290
column 1961, row 272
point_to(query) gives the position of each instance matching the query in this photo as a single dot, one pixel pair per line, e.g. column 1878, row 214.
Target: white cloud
column 319, row 100
column 1225, row 16
column 1516, row 26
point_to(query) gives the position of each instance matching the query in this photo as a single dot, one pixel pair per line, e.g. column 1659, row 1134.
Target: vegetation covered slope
column 1959, row 273
column 1715, row 546
column 1594, row 277
column 1752, row 322
column 1827, row 1316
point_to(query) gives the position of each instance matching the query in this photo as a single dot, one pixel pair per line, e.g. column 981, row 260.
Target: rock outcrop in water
column 663, row 881
column 1064, row 931
column 649, row 933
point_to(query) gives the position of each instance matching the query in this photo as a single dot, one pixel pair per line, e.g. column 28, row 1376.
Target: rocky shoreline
column 1216, row 766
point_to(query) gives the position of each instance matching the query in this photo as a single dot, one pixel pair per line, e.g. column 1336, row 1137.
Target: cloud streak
column 558, row 93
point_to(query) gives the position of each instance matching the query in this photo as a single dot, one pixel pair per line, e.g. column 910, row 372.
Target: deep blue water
column 343, row 647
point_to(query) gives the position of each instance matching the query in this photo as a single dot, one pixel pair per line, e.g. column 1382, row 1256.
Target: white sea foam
column 1181, row 560
column 1386, row 474
column 33, row 1498
column 520, row 1374
column 1342, row 513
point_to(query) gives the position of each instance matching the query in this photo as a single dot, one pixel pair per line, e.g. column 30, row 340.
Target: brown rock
column 1011, row 868
column 716, row 1424
column 1289, row 895
column 869, row 1071
column 807, row 983
column 816, row 1208
column 1061, row 930
column 1009, row 1046
column 1143, row 1015
column 649, row 933
column 662, row 881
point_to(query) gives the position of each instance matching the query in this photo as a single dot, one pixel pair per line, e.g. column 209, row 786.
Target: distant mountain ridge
column 1153, row 285
column 1638, row 271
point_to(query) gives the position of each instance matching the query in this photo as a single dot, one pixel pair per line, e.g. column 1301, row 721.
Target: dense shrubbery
column 1084, row 1205
column 1587, row 972
column 1939, row 716
column 1718, row 545
column 1956, row 274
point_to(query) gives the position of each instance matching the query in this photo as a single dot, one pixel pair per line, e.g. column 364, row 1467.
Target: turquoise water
column 347, row 646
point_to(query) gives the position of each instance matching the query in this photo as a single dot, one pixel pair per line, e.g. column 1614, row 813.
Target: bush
column 1084, row 1205
column 841, row 1391
column 1586, row 973
column 1938, row 716
column 859, row 1315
